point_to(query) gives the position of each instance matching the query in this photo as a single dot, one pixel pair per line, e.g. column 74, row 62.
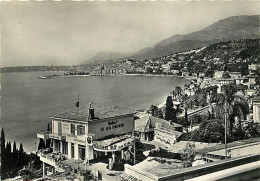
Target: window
column 82, row 152
column 108, row 128
column 64, row 147
column 72, row 150
column 80, row 130
column 72, row 126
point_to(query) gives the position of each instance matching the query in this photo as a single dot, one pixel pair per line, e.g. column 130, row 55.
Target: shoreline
column 112, row 75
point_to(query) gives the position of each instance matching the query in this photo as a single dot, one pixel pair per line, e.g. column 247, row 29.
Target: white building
column 256, row 109
column 90, row 133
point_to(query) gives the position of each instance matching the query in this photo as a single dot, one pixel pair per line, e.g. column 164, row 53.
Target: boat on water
column 45, row 77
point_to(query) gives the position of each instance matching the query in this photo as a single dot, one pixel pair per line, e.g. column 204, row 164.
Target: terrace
column 77, row 168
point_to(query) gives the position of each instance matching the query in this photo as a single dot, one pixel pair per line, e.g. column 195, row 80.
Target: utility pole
column 225, row 117
column 134, row 153
column 86, row 157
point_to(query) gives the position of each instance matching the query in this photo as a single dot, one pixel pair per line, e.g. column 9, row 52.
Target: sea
column 27, row 102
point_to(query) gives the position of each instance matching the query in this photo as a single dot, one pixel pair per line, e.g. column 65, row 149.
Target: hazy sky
column 66, row 33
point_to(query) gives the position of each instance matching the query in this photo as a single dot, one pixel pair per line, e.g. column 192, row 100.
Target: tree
column 156, row 112
column 210, row 131
column 188, row 155
column 149, row 70
column 48, row 141
column 186, row 123
column 22, row 157
column 226, row 75
column 48, row 127
column 178, row 90
column 174, row 95
column 41, row 144
column 169, row 109
column 15, row 156
column 202, row 99
column 252, row 130
column 3, row 157
column 8, row 156
column 235, row 105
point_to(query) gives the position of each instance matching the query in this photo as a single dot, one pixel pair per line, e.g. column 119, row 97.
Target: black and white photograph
column 130, row 90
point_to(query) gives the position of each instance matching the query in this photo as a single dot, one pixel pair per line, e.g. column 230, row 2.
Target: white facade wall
column 55, row 126
column 164, row 137
column 76, row 151
column 69, row 150
column 103, row 128
column 66, row 128
column 256, row 112
column 61, row 146
column 89, row 152
column 99, row 129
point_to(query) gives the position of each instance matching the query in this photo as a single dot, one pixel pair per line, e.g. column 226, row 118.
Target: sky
column 67, row 33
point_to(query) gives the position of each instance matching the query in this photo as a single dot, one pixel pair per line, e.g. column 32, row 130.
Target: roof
column 166, row 170
column 177, row 147
column 145, row 124
column 101, row 111
column 115, row 143
column 153, row 167
column 229, row 145
column 169, row 130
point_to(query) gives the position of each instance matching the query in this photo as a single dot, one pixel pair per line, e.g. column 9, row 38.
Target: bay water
column 27, row 101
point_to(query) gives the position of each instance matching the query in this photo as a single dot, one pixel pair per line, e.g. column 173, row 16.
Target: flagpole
column 78, row 103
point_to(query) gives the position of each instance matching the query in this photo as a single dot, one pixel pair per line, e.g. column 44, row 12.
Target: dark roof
column 145, row 124
column 101, row 111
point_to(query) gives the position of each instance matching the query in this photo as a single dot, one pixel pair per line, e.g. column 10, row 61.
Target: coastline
column 156, row 75
column 112, row 75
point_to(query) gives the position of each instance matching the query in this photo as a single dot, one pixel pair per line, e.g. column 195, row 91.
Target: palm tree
column 174, row 95
column 178, row 90
column 236, row 106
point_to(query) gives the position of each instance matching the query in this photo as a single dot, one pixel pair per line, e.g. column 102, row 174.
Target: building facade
column 86, row 134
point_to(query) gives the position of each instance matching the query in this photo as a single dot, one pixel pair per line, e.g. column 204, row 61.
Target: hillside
column 234, row 56
column 103, row 56
column 231, row 28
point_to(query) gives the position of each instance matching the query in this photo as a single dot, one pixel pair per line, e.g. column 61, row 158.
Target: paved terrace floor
column 107, row 174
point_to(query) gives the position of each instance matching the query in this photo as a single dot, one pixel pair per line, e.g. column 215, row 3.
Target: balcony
column 61, row 163
column 43, row 135
column 57, row 136
column 79, row 139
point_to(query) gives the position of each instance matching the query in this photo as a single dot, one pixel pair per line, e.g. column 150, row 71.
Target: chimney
column 90, row 112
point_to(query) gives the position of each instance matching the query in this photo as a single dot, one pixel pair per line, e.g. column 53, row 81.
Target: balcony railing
column 57, row 136
column 44, row 135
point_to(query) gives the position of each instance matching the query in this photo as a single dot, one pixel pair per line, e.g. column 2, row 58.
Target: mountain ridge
column 230, row 28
